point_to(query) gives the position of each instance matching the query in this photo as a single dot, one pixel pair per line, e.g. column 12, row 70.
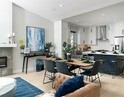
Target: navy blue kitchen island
column 112, row 63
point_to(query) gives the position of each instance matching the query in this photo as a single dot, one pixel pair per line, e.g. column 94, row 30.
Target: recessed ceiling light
column 61, row 5
column 103, row 14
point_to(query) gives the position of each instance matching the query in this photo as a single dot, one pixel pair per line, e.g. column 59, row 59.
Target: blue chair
column 93, row 72
column 51, row 68
column 63, row 68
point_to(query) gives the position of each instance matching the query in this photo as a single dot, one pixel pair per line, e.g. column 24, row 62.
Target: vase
column 65, row 56
column 22, row 50
column 68, row 56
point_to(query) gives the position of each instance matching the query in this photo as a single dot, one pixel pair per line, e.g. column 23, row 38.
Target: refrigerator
column 119, row 44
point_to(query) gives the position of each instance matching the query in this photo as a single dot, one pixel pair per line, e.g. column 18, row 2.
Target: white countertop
column 99, row 53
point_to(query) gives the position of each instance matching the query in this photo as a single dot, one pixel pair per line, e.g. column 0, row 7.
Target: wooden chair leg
column 99, row 80
column 44, row 77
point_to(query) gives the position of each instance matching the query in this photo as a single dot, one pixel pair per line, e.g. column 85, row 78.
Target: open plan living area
column 61, row 48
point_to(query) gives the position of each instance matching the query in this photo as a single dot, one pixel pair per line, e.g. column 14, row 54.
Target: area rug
column 25, row 89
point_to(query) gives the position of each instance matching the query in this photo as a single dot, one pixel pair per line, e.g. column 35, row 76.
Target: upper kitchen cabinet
column 110, row 33
column 91, row 37
column 119, row 28
column 82, row 35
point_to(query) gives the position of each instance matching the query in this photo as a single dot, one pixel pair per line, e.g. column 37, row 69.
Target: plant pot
column 65, row 56
column 68, row 56
column 22, row 50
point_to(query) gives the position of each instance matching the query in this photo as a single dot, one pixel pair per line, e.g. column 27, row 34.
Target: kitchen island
column 113, row 63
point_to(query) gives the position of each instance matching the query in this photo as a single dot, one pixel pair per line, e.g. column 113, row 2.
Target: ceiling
column 60, row 9
column 107, row 15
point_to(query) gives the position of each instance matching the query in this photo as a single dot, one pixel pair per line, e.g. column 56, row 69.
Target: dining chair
column 50, row 70
column 63, row 68
column 90, row 72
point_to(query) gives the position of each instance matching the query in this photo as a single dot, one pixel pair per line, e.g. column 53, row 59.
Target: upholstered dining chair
column 50, row 70
column 63, row 68
column 90, row 72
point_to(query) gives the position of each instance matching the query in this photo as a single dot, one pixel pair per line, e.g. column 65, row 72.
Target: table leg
column 23, row 64
column 26, row 65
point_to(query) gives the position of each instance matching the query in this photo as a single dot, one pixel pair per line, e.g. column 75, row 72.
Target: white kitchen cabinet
column 91, row 37
column 110, row 33
column 119, row 28
column 82, row 36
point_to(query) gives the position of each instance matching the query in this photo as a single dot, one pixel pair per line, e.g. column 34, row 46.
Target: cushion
column 69, row 86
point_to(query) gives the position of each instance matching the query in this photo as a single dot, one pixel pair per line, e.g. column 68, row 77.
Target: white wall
column 21, row 19
column 58, row 37
column 5, row 20
column 65, row 32
column 102, row 45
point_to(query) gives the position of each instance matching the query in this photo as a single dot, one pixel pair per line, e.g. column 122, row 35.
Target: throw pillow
column 69, row 86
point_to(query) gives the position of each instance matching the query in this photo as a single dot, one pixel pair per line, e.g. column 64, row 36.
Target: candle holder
column 13, row 39
column 9, row 39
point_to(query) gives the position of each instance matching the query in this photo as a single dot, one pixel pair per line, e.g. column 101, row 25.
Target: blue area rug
column 25, row 89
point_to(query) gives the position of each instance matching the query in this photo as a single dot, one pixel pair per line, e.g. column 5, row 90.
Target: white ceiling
column 104, row 16
column 51, row 9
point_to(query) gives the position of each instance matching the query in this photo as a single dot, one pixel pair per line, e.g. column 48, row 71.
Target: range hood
column 102, row 32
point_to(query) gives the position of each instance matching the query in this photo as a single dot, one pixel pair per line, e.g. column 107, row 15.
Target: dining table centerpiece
column 67, row 50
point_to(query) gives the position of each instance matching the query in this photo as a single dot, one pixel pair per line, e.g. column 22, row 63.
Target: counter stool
column 114, row 69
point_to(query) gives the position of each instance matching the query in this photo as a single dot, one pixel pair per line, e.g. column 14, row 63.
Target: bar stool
column 114, row 69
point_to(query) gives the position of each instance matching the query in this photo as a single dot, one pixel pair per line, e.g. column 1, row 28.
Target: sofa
column 89, row 89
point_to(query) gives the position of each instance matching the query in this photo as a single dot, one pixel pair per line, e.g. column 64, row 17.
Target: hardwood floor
column 110, row 87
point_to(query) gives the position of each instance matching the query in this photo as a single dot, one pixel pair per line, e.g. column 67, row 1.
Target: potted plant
column 67, row 50
column 22, row 46
column 48, row 45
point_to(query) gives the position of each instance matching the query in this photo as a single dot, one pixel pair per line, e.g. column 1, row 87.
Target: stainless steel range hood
column 102, row 32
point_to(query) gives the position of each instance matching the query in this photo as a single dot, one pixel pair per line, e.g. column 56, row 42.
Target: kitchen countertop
column 107, row 53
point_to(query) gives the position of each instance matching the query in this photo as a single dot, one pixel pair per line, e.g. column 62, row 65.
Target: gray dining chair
column 63, row 68
column 50, row 70
column 93, row 72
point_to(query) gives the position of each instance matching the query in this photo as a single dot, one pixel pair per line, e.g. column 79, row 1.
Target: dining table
column 75, row 62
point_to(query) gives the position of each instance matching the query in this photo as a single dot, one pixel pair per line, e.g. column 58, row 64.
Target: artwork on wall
column 35, row 38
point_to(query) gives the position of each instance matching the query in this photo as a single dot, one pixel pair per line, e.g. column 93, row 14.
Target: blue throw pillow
column 69, row 86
